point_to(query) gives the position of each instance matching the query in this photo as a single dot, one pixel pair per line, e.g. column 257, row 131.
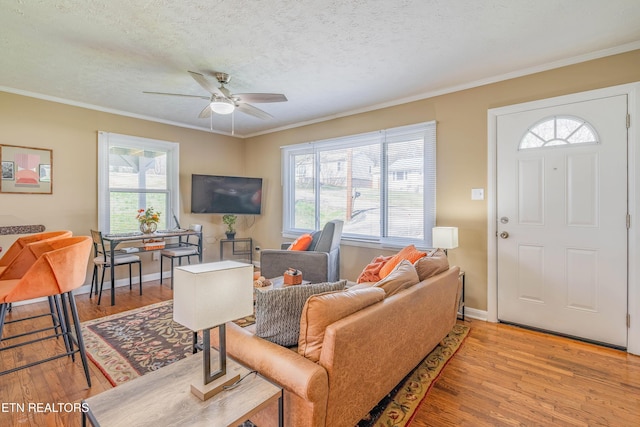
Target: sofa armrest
column 314, row 265
column 280, row 365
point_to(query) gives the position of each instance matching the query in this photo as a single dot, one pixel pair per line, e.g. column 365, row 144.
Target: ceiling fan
column 221, row 101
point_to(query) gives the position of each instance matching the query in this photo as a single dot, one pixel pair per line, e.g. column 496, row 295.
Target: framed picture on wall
column 26, row 170
column 8, row 171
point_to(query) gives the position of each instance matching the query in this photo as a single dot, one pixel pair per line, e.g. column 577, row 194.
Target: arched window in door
column 559, row 130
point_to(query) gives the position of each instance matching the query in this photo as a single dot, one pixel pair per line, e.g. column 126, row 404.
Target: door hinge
column 628, row 121
column 628, row 320
column 628, row 221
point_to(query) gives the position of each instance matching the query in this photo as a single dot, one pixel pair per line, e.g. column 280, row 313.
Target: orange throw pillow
column 410, row 253
column 302, row 243
column 371, row 272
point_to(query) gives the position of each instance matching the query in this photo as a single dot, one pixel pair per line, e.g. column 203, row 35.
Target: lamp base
column 206, row 391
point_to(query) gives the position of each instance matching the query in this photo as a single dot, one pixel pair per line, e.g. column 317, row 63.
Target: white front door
column 562, row 219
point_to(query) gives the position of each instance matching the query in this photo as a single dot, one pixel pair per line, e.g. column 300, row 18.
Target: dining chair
column 60, row 268
column 187, row 247
column 103, row 260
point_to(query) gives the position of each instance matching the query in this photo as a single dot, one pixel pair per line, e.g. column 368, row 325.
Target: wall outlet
column 155, row 256
column 257, row 248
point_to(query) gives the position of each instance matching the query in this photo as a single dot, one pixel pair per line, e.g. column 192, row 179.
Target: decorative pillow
column 409, row 253
column 371, row 272
column 323, row 309
column 302, row 243
column 402, row 277
column 434, row 263
column 278, row 310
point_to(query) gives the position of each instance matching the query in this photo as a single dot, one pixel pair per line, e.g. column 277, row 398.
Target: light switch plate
column 477, row 194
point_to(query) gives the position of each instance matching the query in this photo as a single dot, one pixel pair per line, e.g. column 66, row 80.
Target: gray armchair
column 319, row 263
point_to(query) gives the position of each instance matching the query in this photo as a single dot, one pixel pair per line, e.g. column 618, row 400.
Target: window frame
column 384, row 138
column 108, row 139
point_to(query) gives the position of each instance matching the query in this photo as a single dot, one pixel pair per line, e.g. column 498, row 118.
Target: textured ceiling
column 329, row 57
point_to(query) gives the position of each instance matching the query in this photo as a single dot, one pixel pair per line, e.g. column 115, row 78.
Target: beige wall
column 71, row 132
column 461, row 157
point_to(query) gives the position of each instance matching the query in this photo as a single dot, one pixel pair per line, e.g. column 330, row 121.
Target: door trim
column 632, row 91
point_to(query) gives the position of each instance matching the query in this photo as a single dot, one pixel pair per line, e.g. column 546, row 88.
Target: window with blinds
column 135, row 173
column 381, row 184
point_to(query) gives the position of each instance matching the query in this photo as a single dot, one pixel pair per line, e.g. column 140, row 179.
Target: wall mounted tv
column 226, row 195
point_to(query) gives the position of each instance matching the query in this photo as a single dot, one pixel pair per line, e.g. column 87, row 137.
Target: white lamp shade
column 445, row 237
column 208, row 295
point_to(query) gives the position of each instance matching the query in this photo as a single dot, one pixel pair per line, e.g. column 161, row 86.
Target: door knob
column 504, row 234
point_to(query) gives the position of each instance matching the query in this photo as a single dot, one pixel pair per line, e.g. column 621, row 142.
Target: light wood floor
column 502, row 376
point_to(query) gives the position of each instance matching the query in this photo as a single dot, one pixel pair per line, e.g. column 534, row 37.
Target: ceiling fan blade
column 253, row 111
column 205, row 113
column 260, row 97
column 178, row 94
column 202, row 81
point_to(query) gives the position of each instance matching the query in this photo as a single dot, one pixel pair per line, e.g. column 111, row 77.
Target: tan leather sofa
column 363, row 356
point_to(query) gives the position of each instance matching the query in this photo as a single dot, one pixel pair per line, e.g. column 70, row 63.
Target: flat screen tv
column 226, row 195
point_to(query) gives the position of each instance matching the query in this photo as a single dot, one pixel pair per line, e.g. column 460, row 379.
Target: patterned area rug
column 130, row 344
column 399, row 406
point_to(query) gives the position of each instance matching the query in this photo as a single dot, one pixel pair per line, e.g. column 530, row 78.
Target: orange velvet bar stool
column 23, row 241
column 17, row 268
column 61, row 267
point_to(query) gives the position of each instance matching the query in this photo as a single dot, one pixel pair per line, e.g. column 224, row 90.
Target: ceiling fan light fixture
column 222, row 106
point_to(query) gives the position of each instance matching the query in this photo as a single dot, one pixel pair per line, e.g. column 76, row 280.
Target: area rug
column 130, row 344
column 398, row 407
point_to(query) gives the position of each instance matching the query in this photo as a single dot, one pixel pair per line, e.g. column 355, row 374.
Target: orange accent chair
column 60, row 267
column 23, row 241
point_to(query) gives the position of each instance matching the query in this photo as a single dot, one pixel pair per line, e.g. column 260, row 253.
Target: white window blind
column 135, row 173
column 381, row 184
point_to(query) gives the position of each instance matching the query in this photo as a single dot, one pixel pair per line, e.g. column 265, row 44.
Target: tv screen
column 226, row 195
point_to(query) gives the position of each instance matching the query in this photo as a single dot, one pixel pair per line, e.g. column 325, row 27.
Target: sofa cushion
column 409, row 253
column 278, row 310
column 302, row 243
column 321, row 310
column 434, row 263
column 401, row 277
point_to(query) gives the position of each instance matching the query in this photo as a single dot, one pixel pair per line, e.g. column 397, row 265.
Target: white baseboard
column 474, row 313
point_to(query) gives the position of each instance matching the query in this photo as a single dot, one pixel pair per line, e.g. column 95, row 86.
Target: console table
column 239, row 246
column 164, row 398
column 115, row 239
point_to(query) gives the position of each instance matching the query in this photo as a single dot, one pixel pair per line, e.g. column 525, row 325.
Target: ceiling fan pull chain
column 233, row 124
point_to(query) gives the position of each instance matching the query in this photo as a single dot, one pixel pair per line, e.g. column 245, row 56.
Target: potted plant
column 230, row 222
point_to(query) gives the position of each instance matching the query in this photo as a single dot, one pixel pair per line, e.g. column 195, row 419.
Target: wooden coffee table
column 163, row 398
column 278, row 282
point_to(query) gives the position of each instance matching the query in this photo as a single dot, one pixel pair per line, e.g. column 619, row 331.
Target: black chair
column 187, row 247
column 102, row 259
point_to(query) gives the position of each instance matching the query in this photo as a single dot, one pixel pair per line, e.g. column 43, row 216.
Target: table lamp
column 444, row 238
column 206, row 296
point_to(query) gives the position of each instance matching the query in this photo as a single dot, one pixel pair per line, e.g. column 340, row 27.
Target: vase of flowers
column 148, row 219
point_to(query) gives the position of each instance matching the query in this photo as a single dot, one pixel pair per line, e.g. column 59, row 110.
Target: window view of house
column 375, row 184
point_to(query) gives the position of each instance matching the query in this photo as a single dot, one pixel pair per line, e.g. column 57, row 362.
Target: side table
column 239, row 246
column 163, row 398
